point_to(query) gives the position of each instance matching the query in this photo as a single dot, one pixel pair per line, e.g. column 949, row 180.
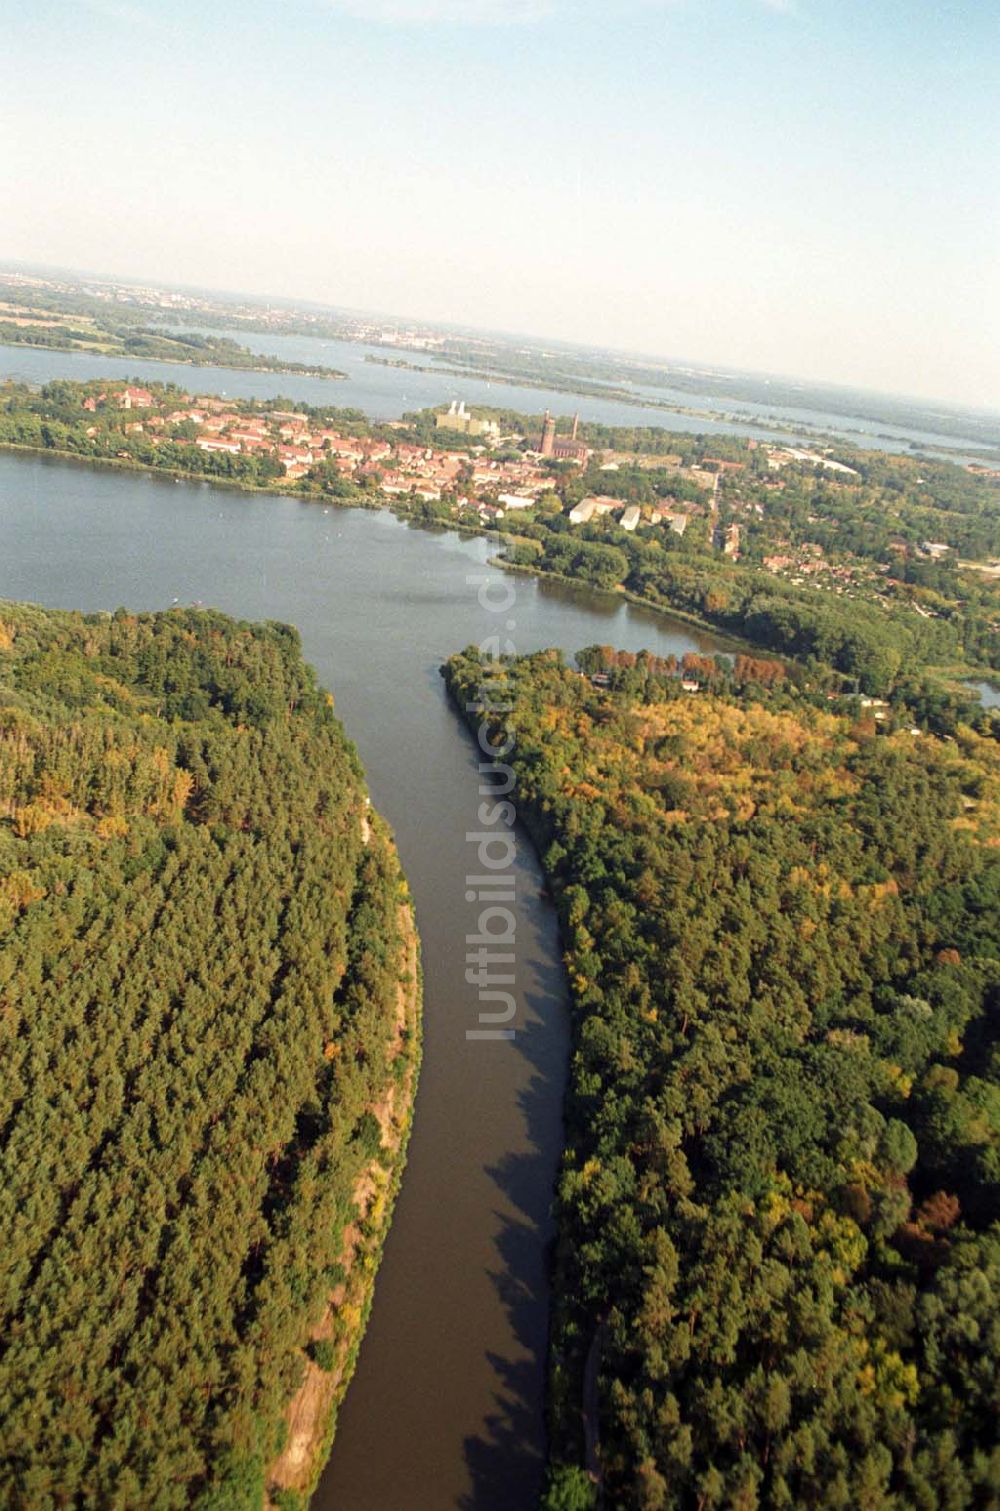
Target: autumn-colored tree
column 777, row 1209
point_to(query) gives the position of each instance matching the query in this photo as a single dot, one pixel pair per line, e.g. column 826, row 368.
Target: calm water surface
column 446, row 1407
column 383, row 393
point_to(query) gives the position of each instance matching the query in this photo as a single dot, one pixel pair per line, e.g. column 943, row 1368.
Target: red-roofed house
column 135, row 398
column 294, row 458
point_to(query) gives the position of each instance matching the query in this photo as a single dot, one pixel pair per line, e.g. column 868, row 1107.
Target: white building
column 458, row 417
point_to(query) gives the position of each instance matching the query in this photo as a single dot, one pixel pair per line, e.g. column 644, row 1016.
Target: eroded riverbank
column 329, row 1360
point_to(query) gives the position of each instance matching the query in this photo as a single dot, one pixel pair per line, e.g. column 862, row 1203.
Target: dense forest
column 861, row 641
column 200, row 967
column 778, row 1263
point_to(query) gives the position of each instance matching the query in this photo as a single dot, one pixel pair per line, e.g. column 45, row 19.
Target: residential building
column 135, row 398
column 603, row 504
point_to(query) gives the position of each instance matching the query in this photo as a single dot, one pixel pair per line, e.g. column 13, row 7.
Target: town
column 477, row 465
column 497, row 472
column 790, row 548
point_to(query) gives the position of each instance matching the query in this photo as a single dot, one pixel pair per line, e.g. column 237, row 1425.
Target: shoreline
column 966, row 672
column 177, row 474
column 394, row 506
column 311, row 1415
column 795, row 430
column 625, row 595
column 733, row 422
column 332, row 373
column 398, row 507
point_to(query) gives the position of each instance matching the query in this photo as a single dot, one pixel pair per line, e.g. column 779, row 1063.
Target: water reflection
column 506, row 1458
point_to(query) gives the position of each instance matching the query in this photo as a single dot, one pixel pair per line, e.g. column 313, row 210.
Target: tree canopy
column 778, row 1255
column 199, row 967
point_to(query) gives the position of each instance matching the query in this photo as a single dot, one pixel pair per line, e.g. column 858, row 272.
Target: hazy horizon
column 789, row 188
column 306, row 304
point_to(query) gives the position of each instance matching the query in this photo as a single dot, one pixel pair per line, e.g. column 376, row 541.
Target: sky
column 807, row 187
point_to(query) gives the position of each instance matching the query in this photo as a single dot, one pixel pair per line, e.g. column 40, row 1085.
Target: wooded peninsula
column 209, row 994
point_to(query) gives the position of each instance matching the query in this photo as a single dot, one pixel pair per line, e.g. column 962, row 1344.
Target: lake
column 446, row 1407
column 385, row 393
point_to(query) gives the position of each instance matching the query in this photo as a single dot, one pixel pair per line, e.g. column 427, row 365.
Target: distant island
column 597, row 388
column 210, row 1028
column 50, row 322
column 187, row 347
column 720, row 395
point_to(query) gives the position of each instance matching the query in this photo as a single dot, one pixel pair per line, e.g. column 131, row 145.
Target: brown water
column 446, row 1407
